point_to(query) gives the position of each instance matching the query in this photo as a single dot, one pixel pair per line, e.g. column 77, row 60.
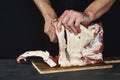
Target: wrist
column 50, row 17
column 88, row 17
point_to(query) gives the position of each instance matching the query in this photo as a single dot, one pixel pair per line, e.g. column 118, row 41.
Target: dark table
column 10, row 70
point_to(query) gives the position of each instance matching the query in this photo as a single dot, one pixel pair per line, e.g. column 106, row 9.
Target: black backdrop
column 21, row 29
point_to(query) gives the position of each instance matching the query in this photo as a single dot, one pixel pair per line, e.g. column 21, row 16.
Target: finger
column 73, row 29
column 77, row 24
column 66, row 19
column 71, row 21
column 63, row 15
column 54, row 22
column 49, row 32
column 65, row 23
column 59, row 26
column 68, row 28
column 71, row 25
column 52, row 36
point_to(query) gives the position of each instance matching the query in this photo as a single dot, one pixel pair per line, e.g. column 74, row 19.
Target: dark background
column 21, row 29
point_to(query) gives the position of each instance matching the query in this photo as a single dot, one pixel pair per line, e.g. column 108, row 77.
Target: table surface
column 10, row 70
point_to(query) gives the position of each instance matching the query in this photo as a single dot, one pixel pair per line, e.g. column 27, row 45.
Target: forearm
column 97, row 8
column 45, row 8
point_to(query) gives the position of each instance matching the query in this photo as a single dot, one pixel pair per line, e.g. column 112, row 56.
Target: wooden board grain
column 43, row 68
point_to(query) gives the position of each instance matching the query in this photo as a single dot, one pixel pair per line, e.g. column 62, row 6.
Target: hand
column 49, row 29
column 72, row 19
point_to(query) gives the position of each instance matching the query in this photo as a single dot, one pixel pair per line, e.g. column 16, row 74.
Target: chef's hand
column 72, row 19
column 49, row 29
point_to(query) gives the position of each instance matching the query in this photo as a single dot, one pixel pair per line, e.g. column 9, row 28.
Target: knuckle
column 46, row 31
column 70, row 24
column 76, row 25
column 51, row 40
column 71, row 10
column 64, row 21
column 79, row 15
column 66, row 11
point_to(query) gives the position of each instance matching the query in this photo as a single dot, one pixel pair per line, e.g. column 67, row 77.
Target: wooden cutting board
column 112, row 60
column 43, row 68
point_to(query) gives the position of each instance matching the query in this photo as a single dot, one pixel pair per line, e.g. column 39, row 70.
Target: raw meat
column 82, row 49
